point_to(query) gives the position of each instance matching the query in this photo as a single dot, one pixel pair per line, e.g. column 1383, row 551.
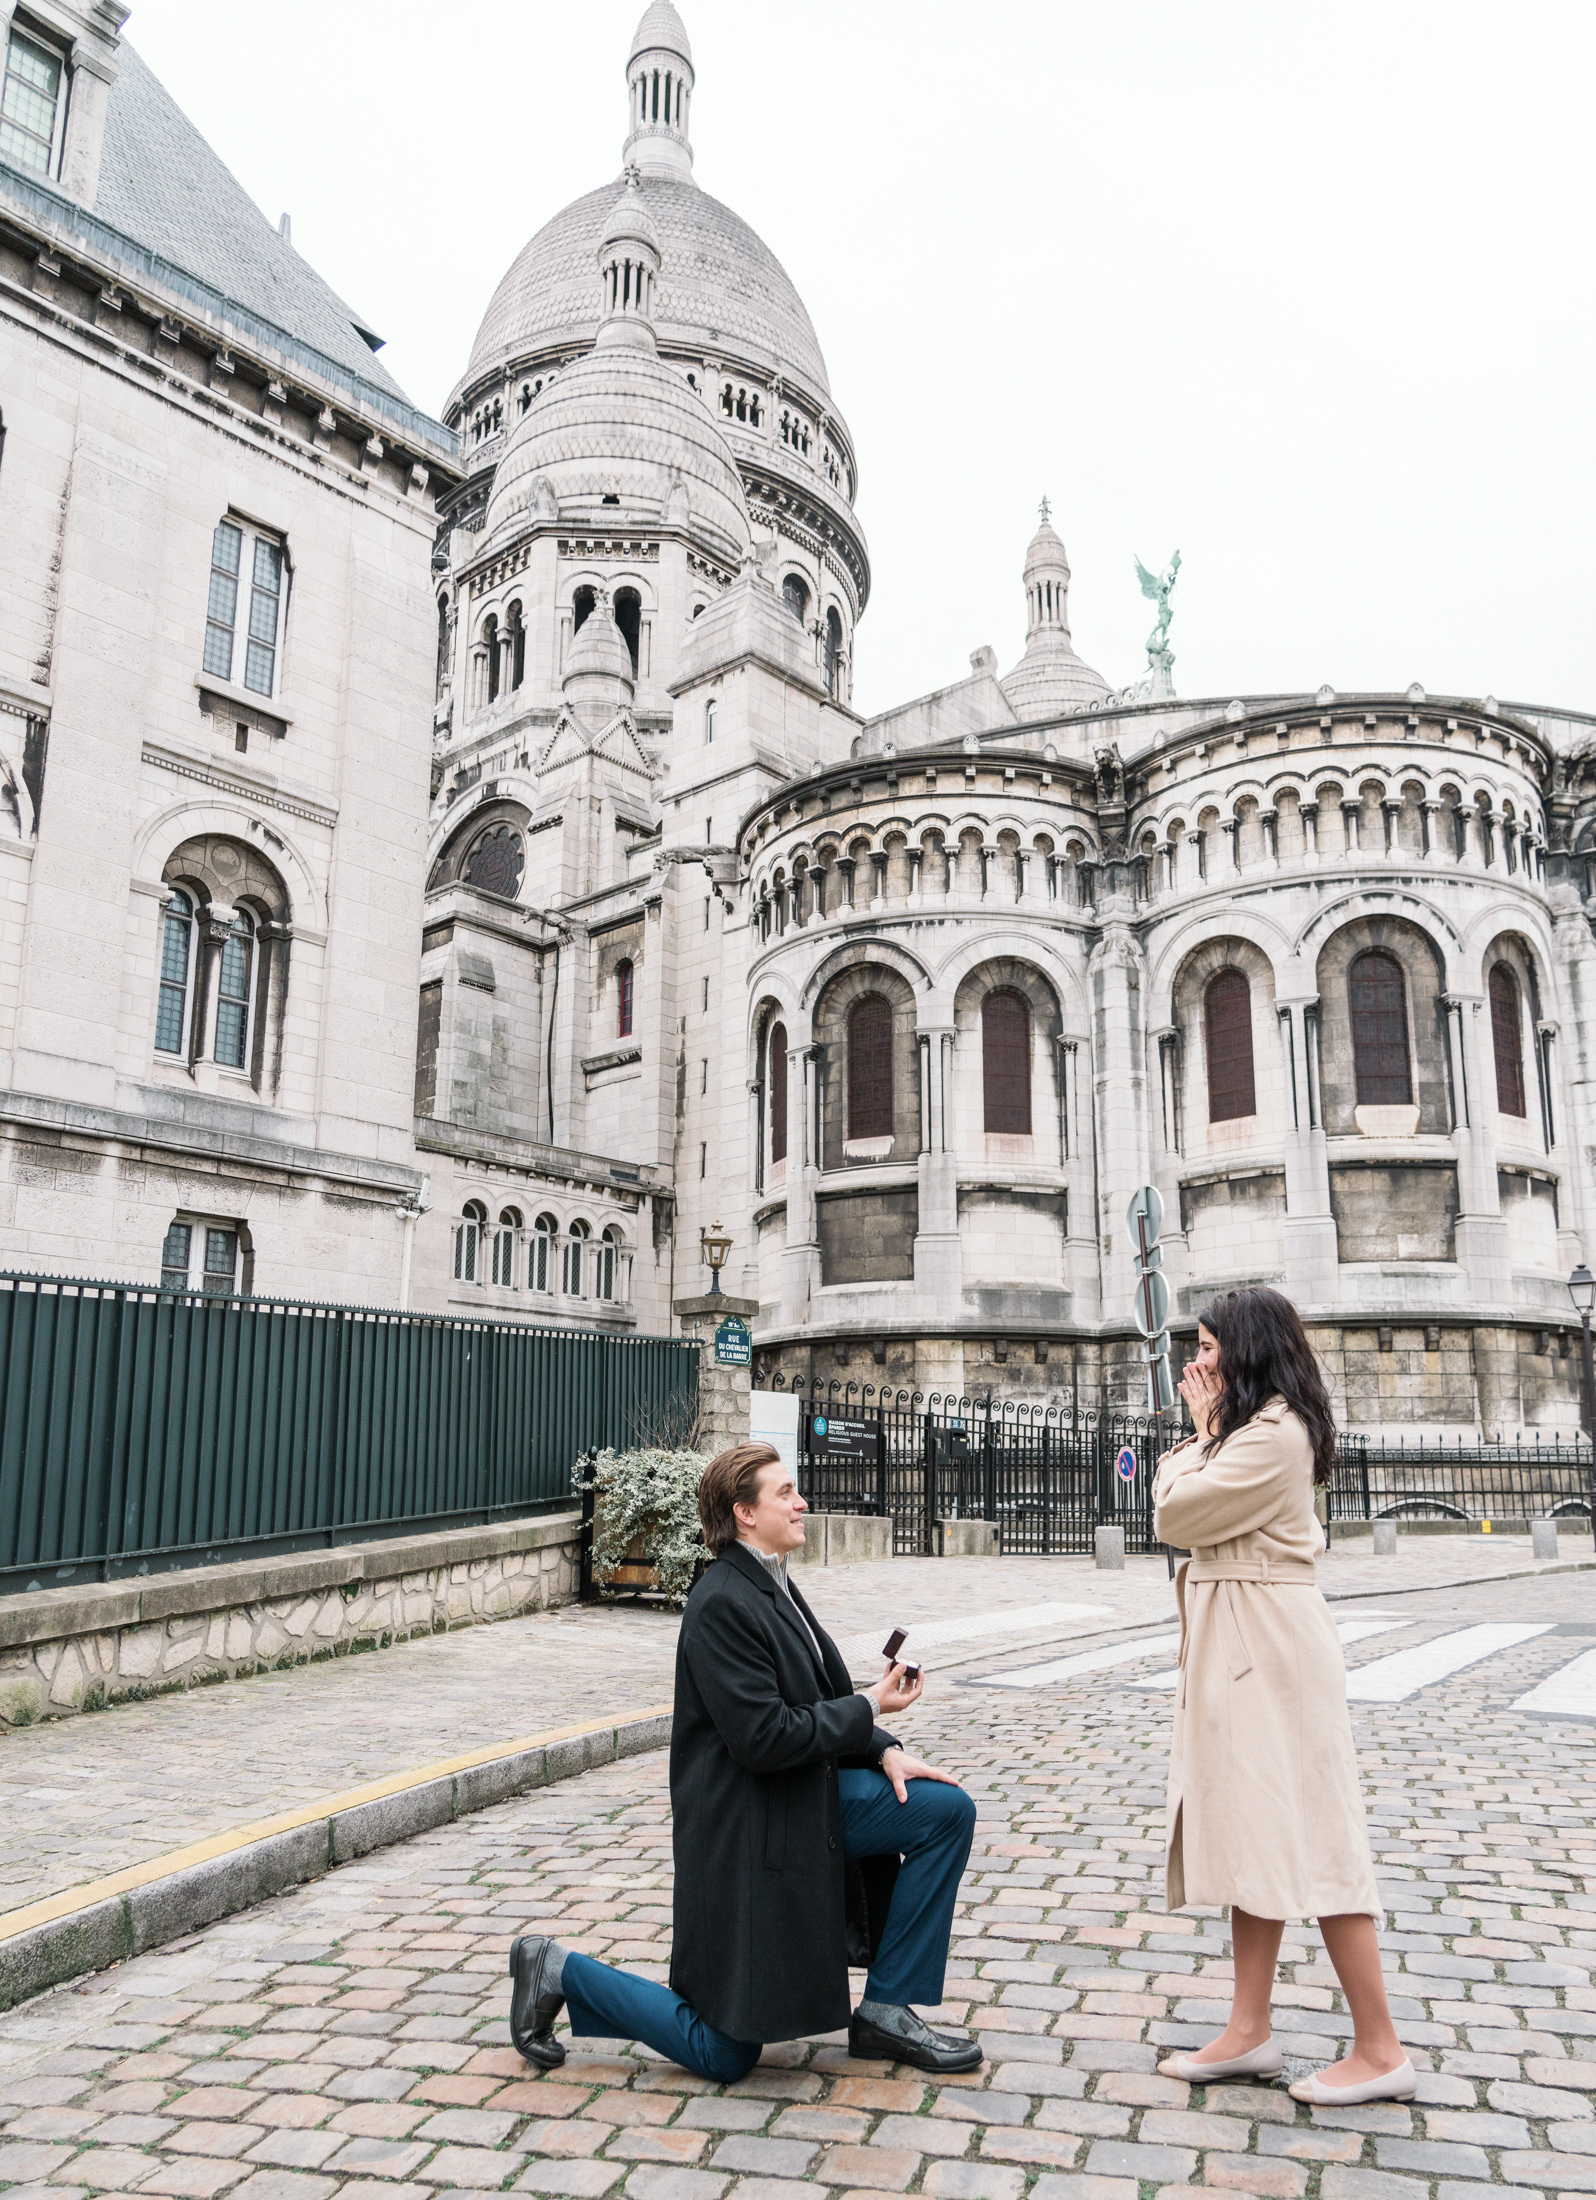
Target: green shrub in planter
column 645, row 1510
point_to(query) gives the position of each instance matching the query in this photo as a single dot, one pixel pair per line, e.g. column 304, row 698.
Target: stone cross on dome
column 1044, row 511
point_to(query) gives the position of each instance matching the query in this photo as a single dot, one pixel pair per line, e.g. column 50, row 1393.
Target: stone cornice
column 253, row 787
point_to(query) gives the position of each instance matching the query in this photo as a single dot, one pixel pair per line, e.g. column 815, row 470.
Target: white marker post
column 1150, row 1308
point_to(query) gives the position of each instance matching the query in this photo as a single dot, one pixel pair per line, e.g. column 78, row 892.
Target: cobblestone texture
column 350, row 2038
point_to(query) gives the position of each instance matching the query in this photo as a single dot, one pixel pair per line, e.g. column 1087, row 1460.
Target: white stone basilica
column 907, row 1006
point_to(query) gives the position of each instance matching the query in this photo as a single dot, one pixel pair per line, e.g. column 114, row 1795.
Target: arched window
column 540, row 1265
column 504, row 1244
column 1227, row 1038
column 1507, row 1040
column 235, row 993
column 623, row 1000
column 833, row 655
column 468, row 1243
column 610, row 1266
column 1378, row 1000
column 582, row 608
column 711, row 713
column 496, row 862
column 1006, row 1062
column 795, row 595
column 778, row 1092
column 443, row 641
column 870, row 1067
column 629, row 618
column 490, row 642
column 177, row 963
column 515, row 631
column 573, row 1258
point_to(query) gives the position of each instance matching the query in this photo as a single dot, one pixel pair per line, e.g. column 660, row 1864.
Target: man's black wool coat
column 760, row 1730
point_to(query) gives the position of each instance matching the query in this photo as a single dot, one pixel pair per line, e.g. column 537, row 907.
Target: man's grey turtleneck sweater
column 775, row 1564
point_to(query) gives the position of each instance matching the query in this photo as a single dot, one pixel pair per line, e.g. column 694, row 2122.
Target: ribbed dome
column 661, row 29
column 622, row 423
column 720, row 286
column 1050, row 678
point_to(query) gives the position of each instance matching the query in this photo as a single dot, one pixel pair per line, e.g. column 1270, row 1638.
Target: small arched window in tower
column 711, row 713
column 582, row 608
column 870, row 1067
column 1006, row 1062
column 468, row 1243
column 496, row 862
column 795, row 595
column 1227, row 1038
column 1507, row 1041
column 515, row 634
column 629, row 618
column 490, row 644
column 1378, row 1000
column 235, row 993
column 833, row 655
column 624, row 975
column 177, row 960
column 777, row 1076
column 540, row 1263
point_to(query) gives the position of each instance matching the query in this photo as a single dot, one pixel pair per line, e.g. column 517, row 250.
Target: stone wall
column 69, row 1650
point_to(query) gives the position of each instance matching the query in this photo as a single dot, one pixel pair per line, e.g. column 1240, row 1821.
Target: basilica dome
column 720, row 287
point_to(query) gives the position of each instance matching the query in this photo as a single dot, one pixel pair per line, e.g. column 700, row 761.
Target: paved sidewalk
column 87, row 1796
column 348, row 2041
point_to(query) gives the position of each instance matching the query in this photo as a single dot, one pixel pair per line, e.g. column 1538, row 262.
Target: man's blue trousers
column 931, row 1832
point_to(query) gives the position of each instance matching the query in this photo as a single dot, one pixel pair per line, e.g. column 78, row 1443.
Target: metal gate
column 1044, row 1475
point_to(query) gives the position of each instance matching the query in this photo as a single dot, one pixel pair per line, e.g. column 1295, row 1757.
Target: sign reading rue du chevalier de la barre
column 734, row 1343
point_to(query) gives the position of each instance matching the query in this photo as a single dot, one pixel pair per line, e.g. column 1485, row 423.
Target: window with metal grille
column 468, row 1243
column 221, row 610
column 265, row 604
column 174, row 1257
column 230, row 545
column 870, row 1067
column 504, row 1243
column 235, row 993
column 623, row 1000
column 201, row 1256
column 573, row 1258
column 1006, row 1062
column 1227, row 1037
column 606, row 1262
column 778, row 1092
column 1507, row 1039
column 1377, row 996
column 496, row 862
column 31, row 105
column 177, row 959
column 541, row 1264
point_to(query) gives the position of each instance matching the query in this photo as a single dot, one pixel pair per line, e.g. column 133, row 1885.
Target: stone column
column 1481, row 1232
column 1309, row 1231
column 937, row 1253
column 1309, row 813
column 722, row 1391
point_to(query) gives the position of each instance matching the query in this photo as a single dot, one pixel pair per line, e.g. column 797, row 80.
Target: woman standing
column 1264, row 1809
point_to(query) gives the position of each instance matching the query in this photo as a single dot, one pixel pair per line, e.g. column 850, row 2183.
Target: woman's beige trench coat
column 1264, row 1808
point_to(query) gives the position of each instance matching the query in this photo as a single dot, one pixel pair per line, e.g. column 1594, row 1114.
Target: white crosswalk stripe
column 1405, row 1672
column 1567, row 1694
column 1350, row 1630
column 1085, row 1661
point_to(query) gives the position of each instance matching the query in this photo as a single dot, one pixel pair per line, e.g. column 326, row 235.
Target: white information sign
column 773, row 1419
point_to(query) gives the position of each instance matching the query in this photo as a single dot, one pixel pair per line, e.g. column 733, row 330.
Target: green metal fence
column 142, row 1428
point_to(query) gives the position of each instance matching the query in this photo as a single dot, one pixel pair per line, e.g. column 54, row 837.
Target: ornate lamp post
column 714, row 1247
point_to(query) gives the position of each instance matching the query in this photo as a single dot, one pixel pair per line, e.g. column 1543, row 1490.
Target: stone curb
column 106, row 1923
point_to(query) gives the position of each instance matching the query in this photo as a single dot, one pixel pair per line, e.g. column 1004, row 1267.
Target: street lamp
column 714, row 1247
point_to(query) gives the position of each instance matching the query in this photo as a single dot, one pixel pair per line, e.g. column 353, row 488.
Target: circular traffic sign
column 1125, row 1465
column 820, row 1424
column 1150, row 1309
column 1149, row 1201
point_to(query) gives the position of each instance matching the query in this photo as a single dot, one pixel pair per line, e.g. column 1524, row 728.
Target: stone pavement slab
column 350, row 2038
column 92, row 1795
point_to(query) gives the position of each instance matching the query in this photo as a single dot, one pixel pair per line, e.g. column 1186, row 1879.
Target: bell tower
column 659, row 85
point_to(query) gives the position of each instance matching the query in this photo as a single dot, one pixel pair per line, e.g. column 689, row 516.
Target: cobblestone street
column 351, row 2038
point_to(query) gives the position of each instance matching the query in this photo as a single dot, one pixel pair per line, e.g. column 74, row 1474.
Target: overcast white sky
column 1304, row 291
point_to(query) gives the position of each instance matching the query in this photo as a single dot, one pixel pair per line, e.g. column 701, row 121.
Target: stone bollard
column 1110, row 1543
column 1543, row 1538
column 1385, row 1539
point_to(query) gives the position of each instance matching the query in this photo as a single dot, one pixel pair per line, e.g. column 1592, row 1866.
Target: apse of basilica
column 908, row 1006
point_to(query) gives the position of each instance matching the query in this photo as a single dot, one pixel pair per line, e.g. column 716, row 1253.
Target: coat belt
column 1282, row 1571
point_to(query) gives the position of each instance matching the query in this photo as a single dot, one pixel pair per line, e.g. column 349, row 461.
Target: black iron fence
column 1429, row 1478
column 143, row 1428
column 1046, row 1477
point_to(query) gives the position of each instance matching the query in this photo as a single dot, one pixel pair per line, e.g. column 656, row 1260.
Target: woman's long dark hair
column 1264, row 1353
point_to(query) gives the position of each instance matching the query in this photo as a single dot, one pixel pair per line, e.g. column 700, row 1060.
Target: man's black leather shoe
column 935, row 2051
column 533, row 2009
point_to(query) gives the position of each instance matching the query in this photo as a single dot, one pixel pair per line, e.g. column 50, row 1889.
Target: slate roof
column 163, row 186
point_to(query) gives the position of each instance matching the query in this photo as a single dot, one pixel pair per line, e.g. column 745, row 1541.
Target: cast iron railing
column 1430, row 1478
column 143, row 1429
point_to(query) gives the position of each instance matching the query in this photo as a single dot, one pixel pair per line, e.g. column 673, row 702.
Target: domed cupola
column 629, row 269
column 659, row 79
column 1049, row 678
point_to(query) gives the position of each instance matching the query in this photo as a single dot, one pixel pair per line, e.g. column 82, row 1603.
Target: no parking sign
column 1125, row 1464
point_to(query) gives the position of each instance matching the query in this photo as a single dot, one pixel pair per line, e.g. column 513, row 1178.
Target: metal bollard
column 1385, row 1539
column 1110, row 1545
column 1543, row 1538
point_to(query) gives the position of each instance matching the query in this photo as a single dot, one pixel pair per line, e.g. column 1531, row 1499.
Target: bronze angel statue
column 1158, row 590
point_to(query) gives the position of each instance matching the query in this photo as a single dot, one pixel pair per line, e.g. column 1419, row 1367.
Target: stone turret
column 1050, row 678
column 659, row 80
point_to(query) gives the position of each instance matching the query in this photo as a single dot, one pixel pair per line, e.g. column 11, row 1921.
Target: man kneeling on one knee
column 804, row 1834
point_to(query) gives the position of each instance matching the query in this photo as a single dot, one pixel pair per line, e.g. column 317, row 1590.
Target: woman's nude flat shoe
column 1397, row 2085
column 1258, row 2062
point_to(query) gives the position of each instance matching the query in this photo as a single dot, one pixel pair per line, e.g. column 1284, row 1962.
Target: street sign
column 1147, row 1208
column 1125, row 1465
column 734, row 1343
column 1152, row 1302
column 1150, row 1306
column 834, row 1436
